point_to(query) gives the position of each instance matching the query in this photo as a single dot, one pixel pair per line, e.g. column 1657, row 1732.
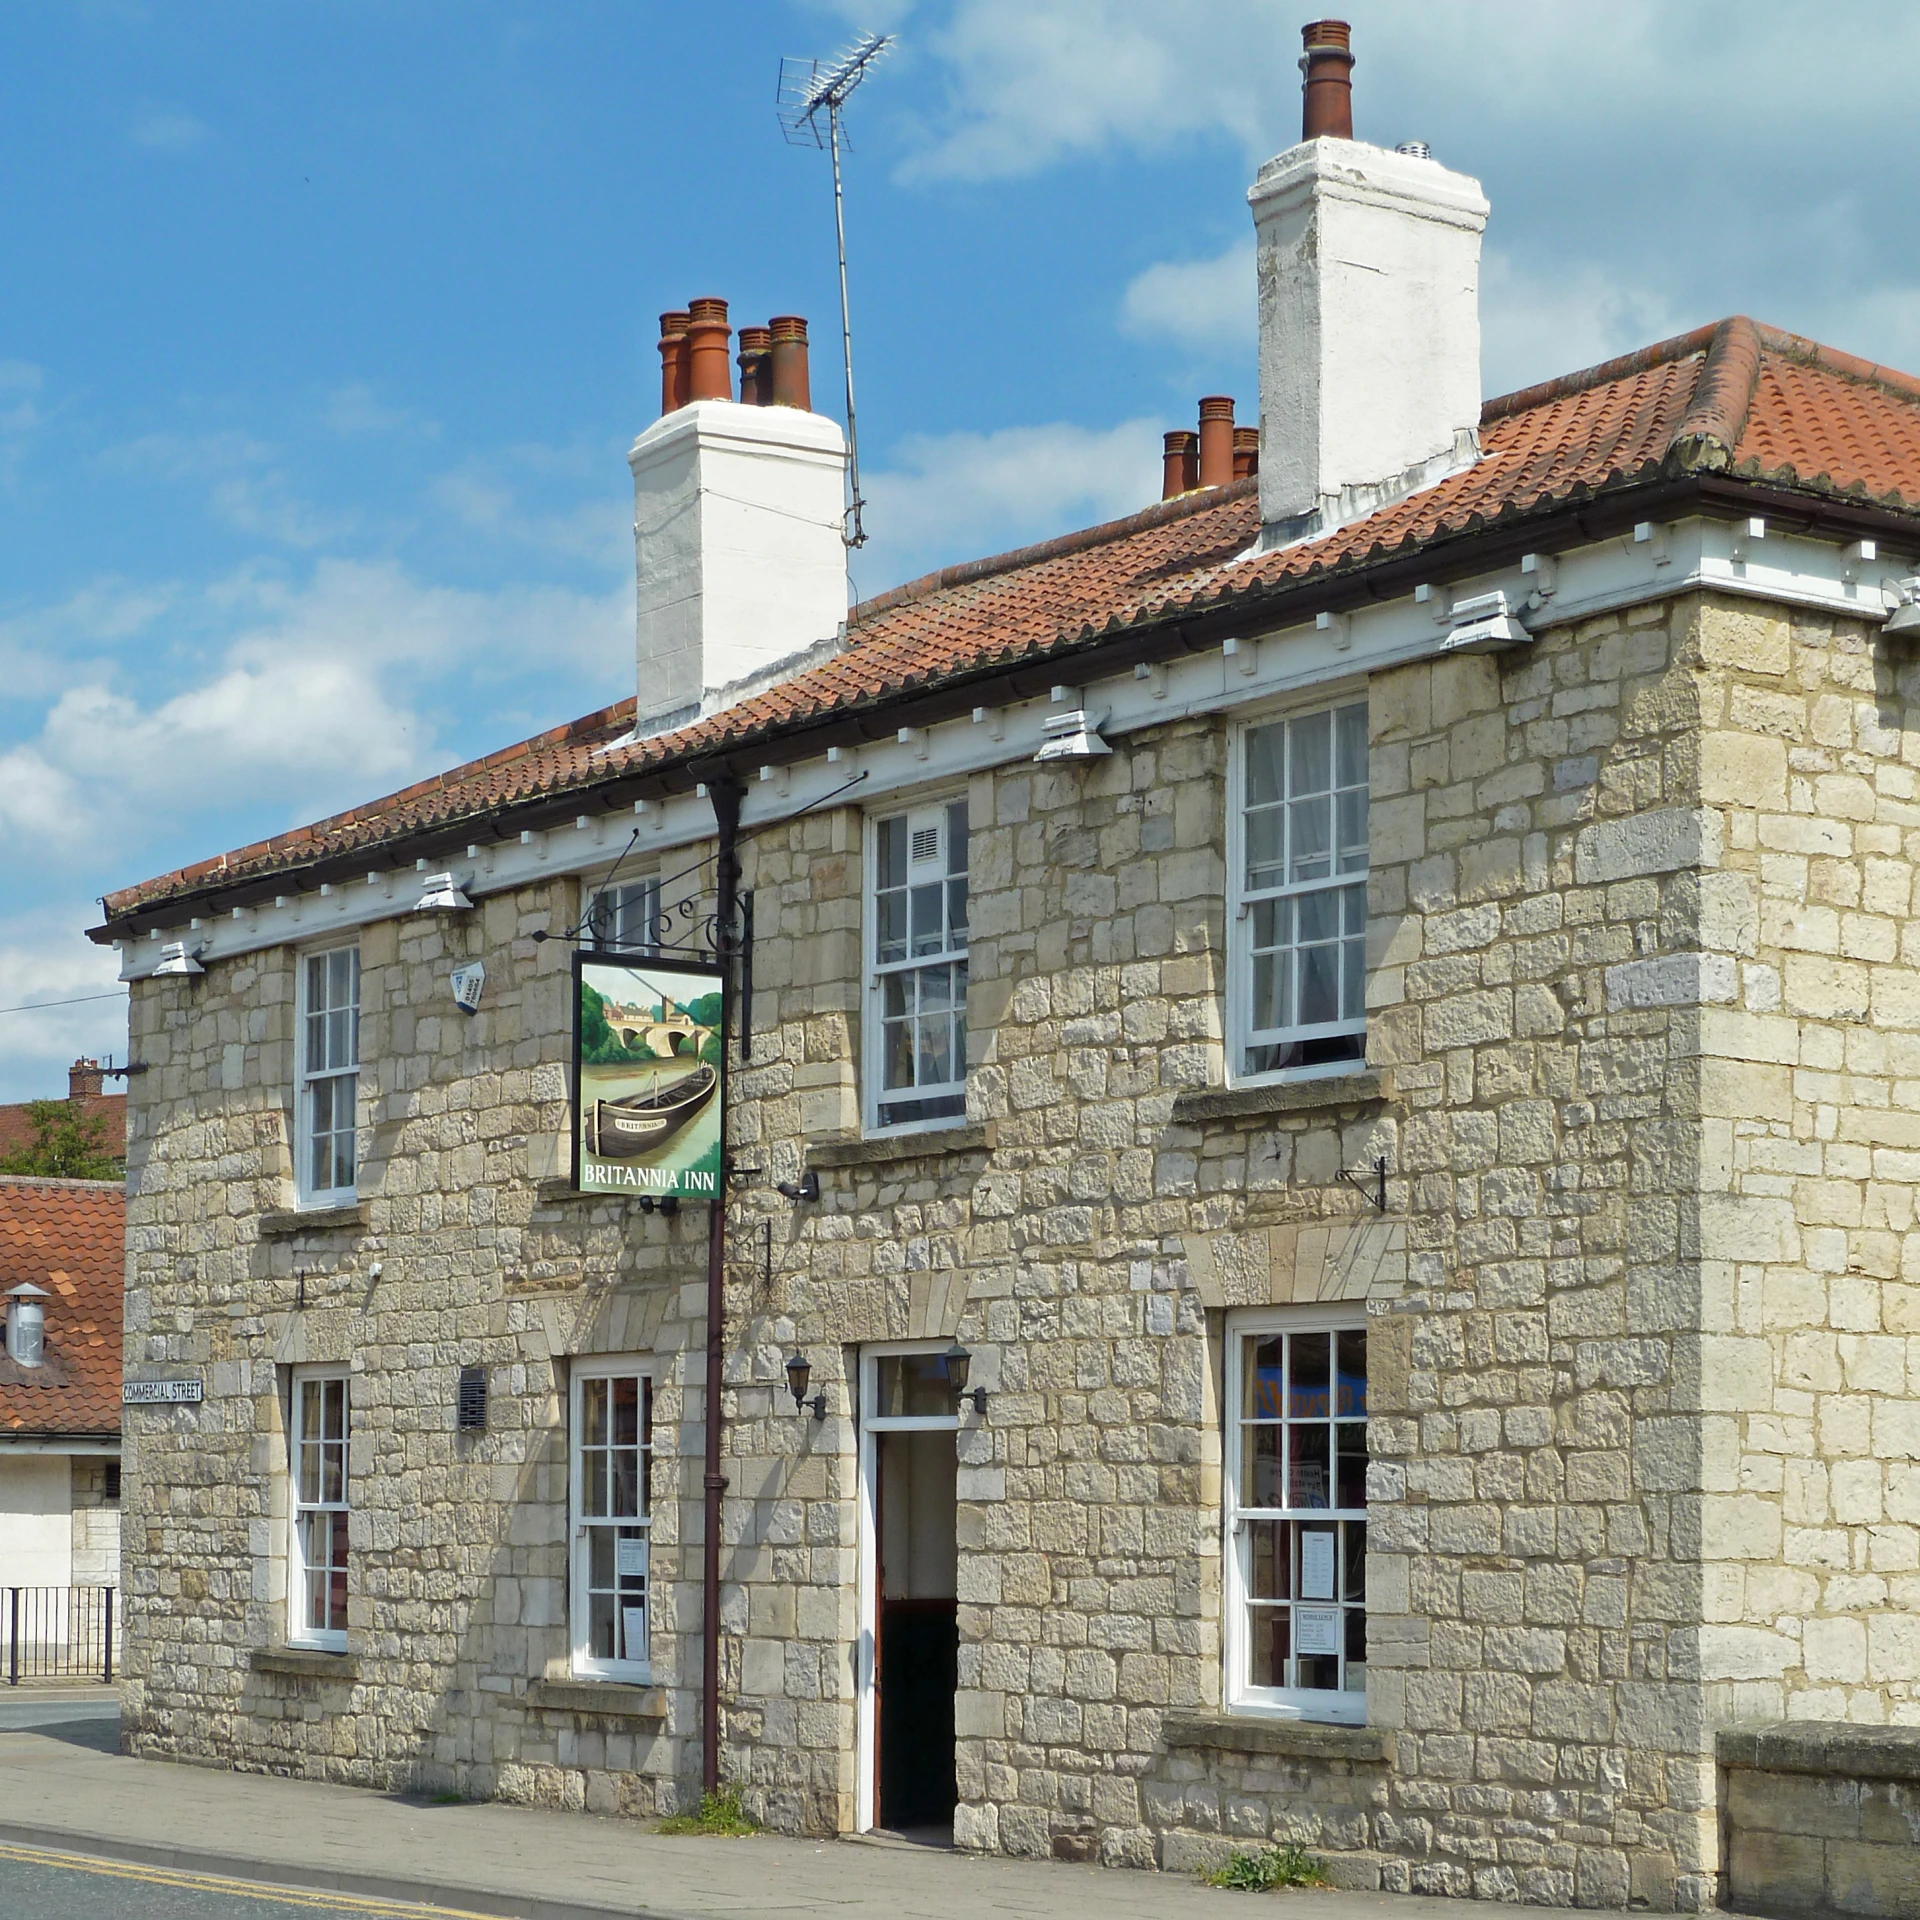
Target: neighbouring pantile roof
column 16, row 1130
column 68, row 1236
column 1735, row 399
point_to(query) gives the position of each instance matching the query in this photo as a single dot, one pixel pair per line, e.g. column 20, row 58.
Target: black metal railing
column 58, row 1633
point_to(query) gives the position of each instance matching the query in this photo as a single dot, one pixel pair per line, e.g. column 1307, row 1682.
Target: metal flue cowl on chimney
column 1369, row 274
column 27, row 1325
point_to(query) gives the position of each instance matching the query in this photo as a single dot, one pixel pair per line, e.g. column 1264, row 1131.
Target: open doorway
column 910, row 1567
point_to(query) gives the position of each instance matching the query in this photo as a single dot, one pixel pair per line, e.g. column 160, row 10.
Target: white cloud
column 323, row 692
column 244, row 488
column 169, row 130
column 1535, row 326
column 598, row 529
column 955, row 496
column 357, row 409
column 45, row 955
column 1207, row 304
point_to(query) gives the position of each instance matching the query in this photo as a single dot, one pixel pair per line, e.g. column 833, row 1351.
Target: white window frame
column 586, row 1664
column 1241, row 903
column 877, row 972
column 306, row 1081
column 1334, row 1706
column 630, row 912
column 300, row 1571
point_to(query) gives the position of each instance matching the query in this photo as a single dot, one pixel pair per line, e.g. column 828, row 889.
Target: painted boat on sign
column 620, row 1129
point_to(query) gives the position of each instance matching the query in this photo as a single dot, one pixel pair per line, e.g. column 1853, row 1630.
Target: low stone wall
column 1223, row 1784
column 1821, row 1817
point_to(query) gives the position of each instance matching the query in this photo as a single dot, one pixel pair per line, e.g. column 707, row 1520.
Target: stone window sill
column 608, row 1698
column 1284, row 1096
column 314, row 1219
column 304, row 1663
column 1295, row 1739
column 1835, row 1749
column 901, row 1146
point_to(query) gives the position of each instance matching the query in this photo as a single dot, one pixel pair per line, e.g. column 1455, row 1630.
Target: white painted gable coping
column 1607, row 576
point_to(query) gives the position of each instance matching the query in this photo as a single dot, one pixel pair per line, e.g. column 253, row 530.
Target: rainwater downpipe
column 725, row 793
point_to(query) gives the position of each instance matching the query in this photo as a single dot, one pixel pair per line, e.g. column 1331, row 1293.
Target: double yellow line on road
column 239, row 1889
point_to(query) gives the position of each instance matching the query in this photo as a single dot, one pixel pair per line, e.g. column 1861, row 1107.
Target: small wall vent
column 473, row 1399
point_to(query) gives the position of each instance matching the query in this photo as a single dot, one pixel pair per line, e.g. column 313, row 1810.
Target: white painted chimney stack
column 738, row 522
column 1369, row 265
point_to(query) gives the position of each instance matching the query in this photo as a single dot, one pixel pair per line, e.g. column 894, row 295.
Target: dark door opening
column 917, row 1639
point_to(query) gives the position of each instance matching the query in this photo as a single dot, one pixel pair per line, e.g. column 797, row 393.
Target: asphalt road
column 38, row 1883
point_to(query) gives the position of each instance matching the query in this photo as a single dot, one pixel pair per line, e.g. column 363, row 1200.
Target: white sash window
column 327, row 1074
column 1298, row 939
column 612, row 1511
column 916, row 1027
column 1296, row 1514
column 319, row 1435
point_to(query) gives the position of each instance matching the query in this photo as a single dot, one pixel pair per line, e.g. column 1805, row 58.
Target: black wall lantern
column 799, row 1376
column 958, row 1362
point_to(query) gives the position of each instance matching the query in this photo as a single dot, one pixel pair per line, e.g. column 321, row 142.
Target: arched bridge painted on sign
column 657, row 1032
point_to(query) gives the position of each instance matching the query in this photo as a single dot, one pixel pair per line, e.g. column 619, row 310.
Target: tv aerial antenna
column 809, row 91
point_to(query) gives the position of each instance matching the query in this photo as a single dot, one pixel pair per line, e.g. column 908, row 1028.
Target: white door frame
column 866, row 1748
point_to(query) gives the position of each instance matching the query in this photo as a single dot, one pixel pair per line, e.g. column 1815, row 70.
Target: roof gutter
column 1660, row 494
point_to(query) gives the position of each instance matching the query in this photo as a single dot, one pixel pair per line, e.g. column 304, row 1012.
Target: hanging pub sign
column 649, row 1060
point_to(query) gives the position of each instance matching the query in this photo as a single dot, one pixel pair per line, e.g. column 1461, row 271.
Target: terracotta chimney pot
column 756, row 369
column 1246, row 452
column 1180, row 464
column 1216, row 440
column 709, row 377
column 673, row 361
column 791, row 387
column 1326, row 89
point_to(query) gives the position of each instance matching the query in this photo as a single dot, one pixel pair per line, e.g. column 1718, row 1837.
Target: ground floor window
column 612, row 1516
column 319, row 1436
column 1296, row 1514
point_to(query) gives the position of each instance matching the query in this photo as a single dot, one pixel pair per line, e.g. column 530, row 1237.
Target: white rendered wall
column 36, row 1520
column 1369, row 268
column 738, row 547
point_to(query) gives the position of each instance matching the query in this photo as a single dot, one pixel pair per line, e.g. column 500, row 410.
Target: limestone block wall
column 1535, row 1485
column 1808, row 1238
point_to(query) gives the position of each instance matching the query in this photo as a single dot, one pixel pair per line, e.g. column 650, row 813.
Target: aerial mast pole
column 807, row 89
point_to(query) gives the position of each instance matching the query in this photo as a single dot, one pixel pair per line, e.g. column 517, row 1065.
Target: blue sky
column 323, row 330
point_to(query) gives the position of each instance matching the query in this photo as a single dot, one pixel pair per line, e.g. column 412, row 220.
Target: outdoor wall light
column 958, row 1362
column 799, row 1377
column 807, row 1187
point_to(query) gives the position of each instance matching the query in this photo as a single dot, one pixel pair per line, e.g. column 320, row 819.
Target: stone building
column 60, row 1278
column 1367, row 1014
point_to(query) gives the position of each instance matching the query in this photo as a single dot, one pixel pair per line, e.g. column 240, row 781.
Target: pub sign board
column 649, row 1070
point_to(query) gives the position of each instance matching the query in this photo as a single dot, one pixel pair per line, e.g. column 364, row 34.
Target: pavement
column 69, row 1802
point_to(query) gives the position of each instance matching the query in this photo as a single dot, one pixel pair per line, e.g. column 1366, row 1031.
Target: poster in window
column 1316, row 1630
column 1316, row 1563
column 649, row 1069
column 629, row 1558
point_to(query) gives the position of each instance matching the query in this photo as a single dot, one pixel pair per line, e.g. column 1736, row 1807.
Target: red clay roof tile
column 1734, row 398
column 68, row 1236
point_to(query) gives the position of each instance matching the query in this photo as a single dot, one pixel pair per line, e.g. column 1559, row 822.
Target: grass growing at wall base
column 1271, row 1867
column 720, row 1813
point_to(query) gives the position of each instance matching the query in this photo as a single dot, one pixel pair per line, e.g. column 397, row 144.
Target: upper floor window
column 327, row 1075
column 1298, row 951
column 626, row 917
column 612, row 1465
column 917, row 943
column 1296, row 1487
column 319, row 1438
